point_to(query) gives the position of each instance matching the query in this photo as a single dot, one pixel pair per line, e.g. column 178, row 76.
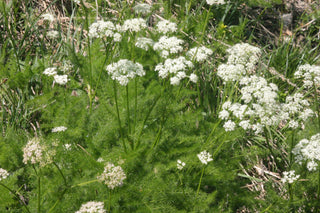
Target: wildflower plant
column 154, row 84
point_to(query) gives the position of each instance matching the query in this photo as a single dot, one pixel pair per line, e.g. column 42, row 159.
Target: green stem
column 135, row 104
column 17, row 197
column 267, row 131
column 65, row 98
column 291, row 147
column 84, row 183
column 318, row 193
column 145, row 120
column 213, row 130
column 181, row 184
column 128, row 110
column 64, row 178
column 290, row 197
column 158, row 134
column 200, row 180
column 89, row 50
column 317, row 103
column 118, row 114
column 39, row 194
column 109, row 205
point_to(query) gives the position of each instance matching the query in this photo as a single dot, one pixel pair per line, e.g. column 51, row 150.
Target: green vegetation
column 159, row 106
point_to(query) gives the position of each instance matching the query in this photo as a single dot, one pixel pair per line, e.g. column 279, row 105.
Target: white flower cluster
column 289, row 177
column 3, row 174
column 257, row 88
column 230, row 72
column 67, row 66
column 48, row 17
column 59, row 129
column 166, row 26
column 308, row 150
column 296, row 107
column 310, row 75
column 59, row 79
column 168, row 45
column 104, row 29
column 211, row 2
column 199, row 54
column 53, row 34
column 241, row 61
column 205, row 157
column 34, row 152
column 180, row 164
column 144, row 43
column 175, row 68
column 263, row 109
column 124, row 70
column 50, row 71
column 112, row 176
column 142, row 8
column 244, row 54
column 134, row 25
column 261, row 106
column 92, row 207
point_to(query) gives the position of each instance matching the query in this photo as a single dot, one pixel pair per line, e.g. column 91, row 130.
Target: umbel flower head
column 48, row 17
column 168, row 45
column 166, row 26
column 180, row 164
column 175, row 69
column 308, row 150
column 50, row 71
column 144, row 43
column 289, row 177
column 35, row 152
column 61, row 79
column 211, row 2
column 134, row 25
column 92, row 207
column 310, row 75
column 142, row 8
column 205, row 157
column 199, row 54
column 112, row 176
column 59, row 129
column 3, row 174
column 124, row 70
